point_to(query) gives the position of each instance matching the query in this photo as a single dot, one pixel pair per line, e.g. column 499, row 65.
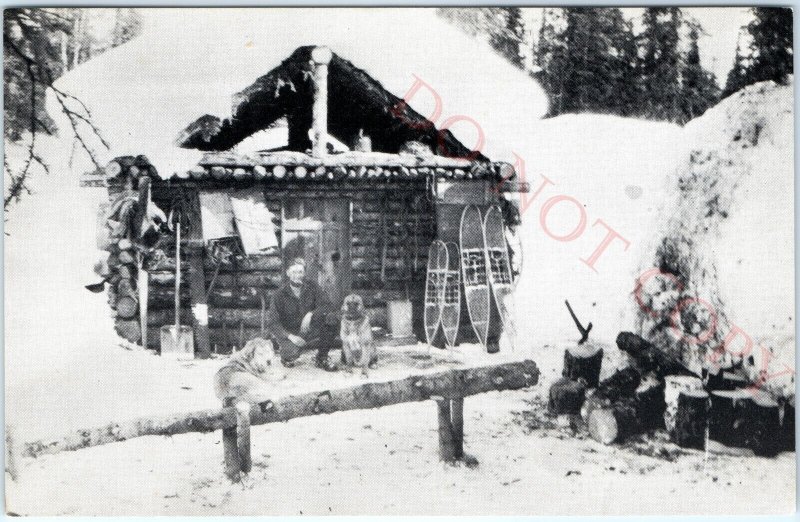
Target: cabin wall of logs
column 392, row 223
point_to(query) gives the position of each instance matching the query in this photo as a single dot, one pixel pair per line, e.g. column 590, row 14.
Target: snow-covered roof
column 356, row 104
column 188, row 63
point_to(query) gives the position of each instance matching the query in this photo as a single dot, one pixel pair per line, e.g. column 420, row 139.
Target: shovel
column 177, row 341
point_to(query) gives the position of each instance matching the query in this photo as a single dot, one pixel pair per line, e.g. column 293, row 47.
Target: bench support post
column 243, row 436
column 457, row 419
column 451, row 428
column 231, row 449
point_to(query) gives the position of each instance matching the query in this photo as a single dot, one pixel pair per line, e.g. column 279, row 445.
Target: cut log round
column 674, row 385
column 729, row 417
column 650, row 403
column 649, row 358
column 125, row 287
column 763, row 432
column 127, row 307
column 125, row 244
column 259, row 172
column 723, row 380
column 623, row 383
column 128, row 329
column 125, row 272
column 691, row 419
column 787, row 425
column 615, row 423
column 566, row 396
column 126, row 257
column 583, row 362
column 594, row 401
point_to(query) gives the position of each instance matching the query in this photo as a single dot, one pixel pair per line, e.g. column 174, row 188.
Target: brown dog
column 358, row 348
column 246, row 376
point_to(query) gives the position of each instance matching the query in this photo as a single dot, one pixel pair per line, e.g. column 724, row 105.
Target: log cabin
column 361, row 189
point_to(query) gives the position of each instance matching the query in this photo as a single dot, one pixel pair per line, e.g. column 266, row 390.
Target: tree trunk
column 453, row 384
column 649, row 358
column 566, row 396
column 691, row 419
column 583, row 362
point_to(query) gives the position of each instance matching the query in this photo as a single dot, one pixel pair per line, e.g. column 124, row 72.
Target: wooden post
column 231, row 448
column 457, row 418
column 197, row 284
column 243, row 436
column 446, row 443
column 143, row 286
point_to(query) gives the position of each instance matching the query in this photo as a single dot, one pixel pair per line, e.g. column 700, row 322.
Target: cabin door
column 318, row 230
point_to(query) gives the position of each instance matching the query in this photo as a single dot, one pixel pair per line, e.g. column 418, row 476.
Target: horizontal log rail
column 451, row 385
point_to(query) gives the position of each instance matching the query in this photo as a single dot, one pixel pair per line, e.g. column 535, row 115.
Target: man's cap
column 298, row 261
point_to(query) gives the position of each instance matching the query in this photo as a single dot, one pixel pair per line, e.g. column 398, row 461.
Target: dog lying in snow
column 246, row 376
column 358, row 348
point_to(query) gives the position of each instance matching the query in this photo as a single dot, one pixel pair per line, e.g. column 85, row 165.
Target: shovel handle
column 177, row 277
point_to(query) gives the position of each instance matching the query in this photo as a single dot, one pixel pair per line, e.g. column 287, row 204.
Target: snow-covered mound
column 190, row 62
column 727, row 233
column 616, row 170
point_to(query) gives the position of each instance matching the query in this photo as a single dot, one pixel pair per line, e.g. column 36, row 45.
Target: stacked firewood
column 721, row 411
column 126, row 228
column 122, row 292
column 133, row 166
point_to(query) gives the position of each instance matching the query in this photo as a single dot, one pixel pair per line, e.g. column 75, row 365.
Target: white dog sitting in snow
column 246, row 376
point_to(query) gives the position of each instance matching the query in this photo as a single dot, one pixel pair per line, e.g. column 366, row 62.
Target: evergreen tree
column 660, row 63
column 771, row 30
column 598, row 60
column 507, row 38
column 737, row 76
column 699, row 87
column 550, row 57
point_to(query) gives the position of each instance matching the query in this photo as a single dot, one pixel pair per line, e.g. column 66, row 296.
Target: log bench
column 447, row 389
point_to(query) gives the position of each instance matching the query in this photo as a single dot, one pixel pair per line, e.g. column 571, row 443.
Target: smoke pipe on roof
column 320, row 58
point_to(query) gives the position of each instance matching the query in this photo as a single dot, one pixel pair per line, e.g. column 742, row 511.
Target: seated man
column 301, row 317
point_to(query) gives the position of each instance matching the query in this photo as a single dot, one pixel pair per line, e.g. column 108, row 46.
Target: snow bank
column 616, row 170
column 727, row 231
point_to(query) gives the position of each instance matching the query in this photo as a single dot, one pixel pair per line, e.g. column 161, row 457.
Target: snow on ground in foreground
column 385, row 462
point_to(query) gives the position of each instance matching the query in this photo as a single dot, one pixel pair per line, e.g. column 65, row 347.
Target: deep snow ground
column 385, row 462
